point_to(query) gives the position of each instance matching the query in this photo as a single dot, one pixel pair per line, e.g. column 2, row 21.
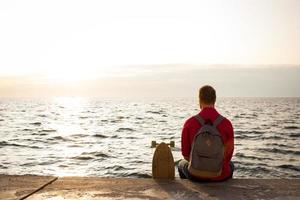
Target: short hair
column 207, row 95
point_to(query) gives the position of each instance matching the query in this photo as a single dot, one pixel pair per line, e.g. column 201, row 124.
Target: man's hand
column 187, row 158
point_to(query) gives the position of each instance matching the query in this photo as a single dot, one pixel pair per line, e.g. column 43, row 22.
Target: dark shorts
column 184, row 172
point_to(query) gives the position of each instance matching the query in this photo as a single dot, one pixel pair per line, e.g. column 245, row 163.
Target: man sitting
column 207, row 142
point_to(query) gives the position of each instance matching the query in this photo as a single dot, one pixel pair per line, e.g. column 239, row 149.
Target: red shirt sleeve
column 185, row 141
column 229, row 143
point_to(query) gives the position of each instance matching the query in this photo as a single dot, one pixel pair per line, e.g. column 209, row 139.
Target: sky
column 149, row 48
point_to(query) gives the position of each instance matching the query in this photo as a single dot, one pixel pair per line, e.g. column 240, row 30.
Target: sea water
column 94, row 137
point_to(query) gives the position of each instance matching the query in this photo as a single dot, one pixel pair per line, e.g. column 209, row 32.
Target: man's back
column 192, row 126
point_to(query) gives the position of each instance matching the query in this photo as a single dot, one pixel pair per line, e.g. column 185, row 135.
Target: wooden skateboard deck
column 163, row 162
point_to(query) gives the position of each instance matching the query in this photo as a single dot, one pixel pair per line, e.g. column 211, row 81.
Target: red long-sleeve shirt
column 192, row 126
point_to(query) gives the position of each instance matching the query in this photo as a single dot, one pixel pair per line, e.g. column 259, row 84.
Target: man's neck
column 207, row 106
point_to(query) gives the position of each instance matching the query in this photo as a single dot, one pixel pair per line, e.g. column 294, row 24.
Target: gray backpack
column 206, row 158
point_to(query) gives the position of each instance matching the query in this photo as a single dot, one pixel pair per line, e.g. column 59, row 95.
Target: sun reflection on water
column 71, row 131
column 71, row 110
column 70, row 102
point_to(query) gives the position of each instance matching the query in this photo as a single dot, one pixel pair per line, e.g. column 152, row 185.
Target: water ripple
column 112, row 138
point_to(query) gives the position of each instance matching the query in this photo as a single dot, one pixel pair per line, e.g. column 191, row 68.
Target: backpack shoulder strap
column 200, row 120
column 218, row 121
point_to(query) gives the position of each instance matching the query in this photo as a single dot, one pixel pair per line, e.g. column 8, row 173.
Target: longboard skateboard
column 163, row 161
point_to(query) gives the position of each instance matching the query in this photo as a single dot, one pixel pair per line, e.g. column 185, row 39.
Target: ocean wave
column 60, row 138
column 3, row 167
column 63, row 166
column 96, row 154
column 131, row 137
column 83, row 157
column 117, row 168
column 279, row 145
column 248, row 132
column 296, row 176
column 84, row 117
column 135, row 161
column 78, row 135
column 242, row 163
column 242, row 155
column 29, row 164
column 280, row 151
column 115, row 121
column 98, row 135
column 246, row 116
column 162, row 121
column 291, row 127
column 47, row 130
column 27, row 129
column 48, row 162
column 291, row 167
column 155, row 112
column 40, row 134
column 272, row 137
column 253, row 169
column 125, row 129
column 36, row 123
column 4, row 143
column 75, row 145
column 246, row 137
column 294, row 135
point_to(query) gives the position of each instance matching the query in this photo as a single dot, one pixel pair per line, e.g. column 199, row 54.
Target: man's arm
column 185, row 142
column 229, row 144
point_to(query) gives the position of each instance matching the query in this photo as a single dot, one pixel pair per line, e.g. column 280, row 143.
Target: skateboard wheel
column 153, row 144
column 172, row 144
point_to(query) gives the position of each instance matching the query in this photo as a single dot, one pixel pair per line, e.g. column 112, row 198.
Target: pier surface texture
column 47, row 187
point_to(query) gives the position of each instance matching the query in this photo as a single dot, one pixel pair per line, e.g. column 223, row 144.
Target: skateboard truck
column 154, row 144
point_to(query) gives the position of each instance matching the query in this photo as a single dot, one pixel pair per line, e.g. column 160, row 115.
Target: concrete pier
column 47, row 187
